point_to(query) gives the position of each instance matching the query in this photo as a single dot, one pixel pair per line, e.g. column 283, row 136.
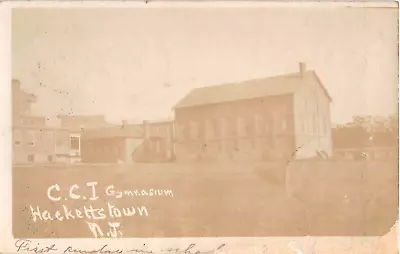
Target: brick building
column 33, row 144
column 111, row 144
column 77, row 124
column 32, row 140
column 146, row 142
column 276, row 117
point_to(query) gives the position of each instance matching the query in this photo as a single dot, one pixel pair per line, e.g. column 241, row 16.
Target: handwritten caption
column 25, row 245
column 92, row 214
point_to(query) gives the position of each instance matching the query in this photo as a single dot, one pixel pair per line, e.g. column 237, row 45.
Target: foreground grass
column 281, row 199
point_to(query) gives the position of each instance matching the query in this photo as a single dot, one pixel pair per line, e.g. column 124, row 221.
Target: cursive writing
column 101, row 250
column 24, row 245
column 190, row 250
column 27, row 246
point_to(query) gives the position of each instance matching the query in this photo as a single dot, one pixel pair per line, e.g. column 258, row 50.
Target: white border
column 237, row 245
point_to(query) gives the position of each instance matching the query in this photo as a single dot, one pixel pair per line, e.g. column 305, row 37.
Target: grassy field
column 299, row 198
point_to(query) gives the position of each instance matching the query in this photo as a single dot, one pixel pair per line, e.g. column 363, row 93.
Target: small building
column 269, row 118
column 77, row 124
column 111, row 144
column 148, row 142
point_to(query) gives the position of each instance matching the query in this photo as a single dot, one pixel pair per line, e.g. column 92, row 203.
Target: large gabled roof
column 250, row 89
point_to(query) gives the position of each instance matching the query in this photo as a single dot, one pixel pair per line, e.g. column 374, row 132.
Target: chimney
column 302, row 67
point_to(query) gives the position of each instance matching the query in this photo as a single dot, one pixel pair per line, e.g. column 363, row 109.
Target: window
column 75, row 143
column 284, row 124
column 241, row 127
column 267, row 125
column 216, row 127
column 194, row 130
column 248, row 127
column 223, row 127
column 17, row 138
column 258, row 124
column 209, row 129
column 31, row 157
column 157, row 146
column 30, row 138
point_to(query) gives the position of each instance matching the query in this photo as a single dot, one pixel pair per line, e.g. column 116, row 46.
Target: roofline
column 111, row 137
column 230, row 101
column 322, row 86
column 81, row 116
column 159, row 121
column 292, row 74
column 39, row 128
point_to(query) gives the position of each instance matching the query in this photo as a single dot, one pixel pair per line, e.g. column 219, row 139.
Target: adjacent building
column 282, row 116
column 127, row 143
column 158, row 145
column 115, row 144
column 32, row 140
column 77, row 124
column 33, row 144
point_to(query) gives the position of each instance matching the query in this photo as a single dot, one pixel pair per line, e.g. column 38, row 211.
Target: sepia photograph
column 204, row 122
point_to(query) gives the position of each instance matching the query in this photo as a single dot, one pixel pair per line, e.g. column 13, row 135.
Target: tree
column 366, row 131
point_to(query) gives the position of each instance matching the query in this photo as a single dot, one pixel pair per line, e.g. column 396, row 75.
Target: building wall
column 132, row 145
column 38, row 145
column 312, row 121
column 37, row 121
column 152, row 150
column 159, row 142
column 159, row 129
column 108, row 150
column 251, row 128
column 33, row 141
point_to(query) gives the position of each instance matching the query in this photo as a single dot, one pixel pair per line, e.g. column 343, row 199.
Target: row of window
column 216, row 128
column 155, row 146
column 30, row 139
column 159, row 130
column 31, row 158
column 18, row 143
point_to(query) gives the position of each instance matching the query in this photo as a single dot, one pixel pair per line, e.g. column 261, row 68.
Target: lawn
column 266, row 199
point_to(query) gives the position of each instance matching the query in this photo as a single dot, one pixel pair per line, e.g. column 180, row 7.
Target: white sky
column 117, row 62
